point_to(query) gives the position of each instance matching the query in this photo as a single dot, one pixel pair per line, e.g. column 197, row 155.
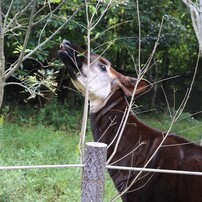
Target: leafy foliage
column 55, row 115
column 116, row 35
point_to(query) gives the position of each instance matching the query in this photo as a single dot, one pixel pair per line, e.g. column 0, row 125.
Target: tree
column 19, row 18
column 196, row 17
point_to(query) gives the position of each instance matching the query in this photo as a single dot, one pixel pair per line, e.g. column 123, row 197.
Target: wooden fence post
column 93, row 172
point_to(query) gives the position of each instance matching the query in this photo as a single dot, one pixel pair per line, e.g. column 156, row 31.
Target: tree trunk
column 2, row 60
column 93, row 172
column 2, row 82
column 196, row 17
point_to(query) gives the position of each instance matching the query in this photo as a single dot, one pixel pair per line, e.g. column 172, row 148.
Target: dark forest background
column 171, row 69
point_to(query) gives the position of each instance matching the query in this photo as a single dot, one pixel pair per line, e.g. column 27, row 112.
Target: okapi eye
column 103, row 68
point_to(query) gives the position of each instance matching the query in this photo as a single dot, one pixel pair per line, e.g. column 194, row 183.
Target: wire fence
column 153, row 170
column 93, row 171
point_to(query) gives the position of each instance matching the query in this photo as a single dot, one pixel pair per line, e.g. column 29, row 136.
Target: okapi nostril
column 61, row 46
column 66, row 42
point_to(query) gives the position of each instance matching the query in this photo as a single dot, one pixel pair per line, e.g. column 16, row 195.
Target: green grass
column 186, row 126
column 40, row 145
column 39, row 142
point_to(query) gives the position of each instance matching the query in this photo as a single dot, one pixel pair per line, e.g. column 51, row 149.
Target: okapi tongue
column 65, row 59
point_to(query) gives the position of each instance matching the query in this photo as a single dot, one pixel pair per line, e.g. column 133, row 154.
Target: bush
column 59, row 116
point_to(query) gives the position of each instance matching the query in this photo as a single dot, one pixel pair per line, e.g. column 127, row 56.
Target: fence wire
column 153, row 170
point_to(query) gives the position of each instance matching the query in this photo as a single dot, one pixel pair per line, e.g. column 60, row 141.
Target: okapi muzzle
column 72, row 56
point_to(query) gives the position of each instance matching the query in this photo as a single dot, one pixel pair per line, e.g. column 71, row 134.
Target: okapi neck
column 116, row 101
column 115, row 107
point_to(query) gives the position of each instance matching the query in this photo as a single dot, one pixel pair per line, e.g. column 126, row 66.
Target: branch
column 2, row 57
column 147, row 64
column 114, row 26
column 173, row 121
column 19, row 84
column 85, row 111
column 6, row 27
column 15, row 66
column 90, row 26
column 50, row 14
column 50, row 37
column 21, row 57
column 101, row 16
column 186, row 2
column 8, row 12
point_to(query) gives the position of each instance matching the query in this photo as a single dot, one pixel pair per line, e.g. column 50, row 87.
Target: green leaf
column 55, row 1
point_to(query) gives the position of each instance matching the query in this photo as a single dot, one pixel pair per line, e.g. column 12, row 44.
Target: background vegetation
column 117, row 31
column 28, row 137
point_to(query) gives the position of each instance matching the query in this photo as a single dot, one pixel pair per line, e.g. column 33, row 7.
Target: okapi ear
column 128, row 84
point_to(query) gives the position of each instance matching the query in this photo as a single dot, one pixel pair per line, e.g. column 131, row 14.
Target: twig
column 16, row 65
column 174, row 119
column 7, row 26
column 50, row 14
column 139, row 37
column 19, row 84
column 167, row 102
column 20, row 59
column 85, row 112
column 90, row 26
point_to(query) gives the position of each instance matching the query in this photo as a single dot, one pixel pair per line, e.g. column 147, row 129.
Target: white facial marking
column 99, row 83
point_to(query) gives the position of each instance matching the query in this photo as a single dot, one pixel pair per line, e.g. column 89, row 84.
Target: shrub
column 59, row 116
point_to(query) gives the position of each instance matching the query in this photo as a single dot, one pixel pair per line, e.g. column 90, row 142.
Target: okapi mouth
column 73, row 58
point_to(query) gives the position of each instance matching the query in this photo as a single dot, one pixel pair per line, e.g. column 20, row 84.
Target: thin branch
column 101, row 16
column 6, row 27
column 114, row 26
column 139, row 145
column 119, row 135
column 85, row 112
column 8, row 74
column 140, row 37
column 49, row 14
column 190, row 115
column 21, row 57
column 112, row 123
column 147, row 64
column 167, row 102
column 50, row 37
column 190, row 88
column 90, row 26
column 19, row 84
column 174, row 119
column 43, row 28
column 8, row 12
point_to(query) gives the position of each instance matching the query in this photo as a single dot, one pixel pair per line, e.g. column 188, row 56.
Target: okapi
column 108, row 96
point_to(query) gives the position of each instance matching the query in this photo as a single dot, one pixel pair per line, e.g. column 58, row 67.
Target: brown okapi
column 108, row 93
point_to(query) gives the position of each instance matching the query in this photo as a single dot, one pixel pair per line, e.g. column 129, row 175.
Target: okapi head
column 102, row 79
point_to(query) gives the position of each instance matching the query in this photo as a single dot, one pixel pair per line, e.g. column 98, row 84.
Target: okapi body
column 108, row 93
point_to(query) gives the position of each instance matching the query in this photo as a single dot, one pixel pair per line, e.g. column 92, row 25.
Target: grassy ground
column 40, row 145
column 23, row 143
column 186, row 126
